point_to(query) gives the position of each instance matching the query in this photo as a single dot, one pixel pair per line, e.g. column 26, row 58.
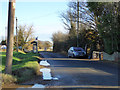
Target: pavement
column 81, row 73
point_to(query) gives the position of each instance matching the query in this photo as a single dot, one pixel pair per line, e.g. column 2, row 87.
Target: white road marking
column 44, row 63
column 38, row 86
column 55, row 78
column 46, row 73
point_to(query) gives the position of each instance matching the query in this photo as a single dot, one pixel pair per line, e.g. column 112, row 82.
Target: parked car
column 3, row 47
column 77, row 52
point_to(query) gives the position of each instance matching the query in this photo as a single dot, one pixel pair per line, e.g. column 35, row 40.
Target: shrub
column 27, row 73
column 8, row 79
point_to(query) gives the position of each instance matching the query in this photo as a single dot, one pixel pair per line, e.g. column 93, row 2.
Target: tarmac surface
column 80, row 72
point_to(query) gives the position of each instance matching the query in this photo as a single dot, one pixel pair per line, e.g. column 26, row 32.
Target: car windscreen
column 78, row 49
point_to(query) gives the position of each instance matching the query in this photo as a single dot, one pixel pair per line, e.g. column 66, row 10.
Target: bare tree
column 24, row 34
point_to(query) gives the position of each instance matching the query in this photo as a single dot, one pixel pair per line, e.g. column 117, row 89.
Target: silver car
column 76, row 52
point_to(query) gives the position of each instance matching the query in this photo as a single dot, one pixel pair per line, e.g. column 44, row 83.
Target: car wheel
column 86, row 56
column 73, row 55
column 68, row 56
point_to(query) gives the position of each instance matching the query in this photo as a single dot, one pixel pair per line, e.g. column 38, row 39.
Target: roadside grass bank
column 25, row 66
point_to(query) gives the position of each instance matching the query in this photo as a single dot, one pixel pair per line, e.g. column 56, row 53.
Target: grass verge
column 25, row 66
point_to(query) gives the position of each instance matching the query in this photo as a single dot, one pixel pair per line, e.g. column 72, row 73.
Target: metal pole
column 9, row 53
column 77, row 21
column 16, row 35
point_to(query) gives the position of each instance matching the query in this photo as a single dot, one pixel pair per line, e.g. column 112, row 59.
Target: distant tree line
column 25, row 34
column 96, row 23
column 25, row 37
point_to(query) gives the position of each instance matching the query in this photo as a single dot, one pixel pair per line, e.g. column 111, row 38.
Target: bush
column 27, row 73
column 8, row 79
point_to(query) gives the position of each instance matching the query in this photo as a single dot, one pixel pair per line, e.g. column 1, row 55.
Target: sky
column 44, row 16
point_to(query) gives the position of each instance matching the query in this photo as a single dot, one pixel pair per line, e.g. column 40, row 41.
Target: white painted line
column 44, row 63
column 38, row 86
column 46, row 73
column 55, row 78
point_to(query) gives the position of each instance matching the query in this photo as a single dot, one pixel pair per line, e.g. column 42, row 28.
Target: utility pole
column 16, row 35
column 6, row 35
column 77, row 21
column 36, row 44
column 9, row 53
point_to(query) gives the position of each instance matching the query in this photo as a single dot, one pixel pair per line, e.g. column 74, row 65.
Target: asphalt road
column 81, row 72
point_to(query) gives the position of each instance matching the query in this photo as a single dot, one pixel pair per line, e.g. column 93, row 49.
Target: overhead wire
column 38, row 17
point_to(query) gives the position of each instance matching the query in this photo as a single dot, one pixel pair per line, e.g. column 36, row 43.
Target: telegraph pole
column 6, row 35
column 16, row 35
column 77, row 21
column 10, row 35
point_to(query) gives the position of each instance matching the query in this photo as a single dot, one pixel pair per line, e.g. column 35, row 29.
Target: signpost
column 35, row 45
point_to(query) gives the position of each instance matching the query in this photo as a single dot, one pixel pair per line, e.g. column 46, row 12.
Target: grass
column 24, row 67
column 44, row 50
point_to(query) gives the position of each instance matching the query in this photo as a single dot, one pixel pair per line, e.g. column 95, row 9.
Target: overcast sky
column 44, row 16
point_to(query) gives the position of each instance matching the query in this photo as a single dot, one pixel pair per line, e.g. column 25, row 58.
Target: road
column 77, row 73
